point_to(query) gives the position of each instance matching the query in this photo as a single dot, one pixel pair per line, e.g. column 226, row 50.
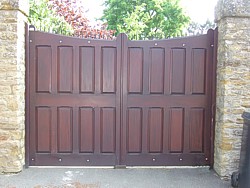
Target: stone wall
column 12, row 84
column 233, row 82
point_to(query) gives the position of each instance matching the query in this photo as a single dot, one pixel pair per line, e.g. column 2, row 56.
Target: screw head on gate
column 212, row 45
column 32, row 159
column 30, row 40
column 183, row 44
column 59, row 160
column 88, row 160
column 89, row 41
column 206, row 159
column 153, row 159
column 60, row 41
column 180, row 159
column 156, row 44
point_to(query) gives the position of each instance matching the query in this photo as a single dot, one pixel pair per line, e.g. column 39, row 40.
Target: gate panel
column 108, row 130
column 43, row 123
column 65, row 69
column 135, row 70
column 166, row 86
column 157, row 70
column 43, row 67
column 134, row 136
column 198, row 71
column 64, row 130
column 178, row 70
column 108, row 70
column 155, row 130
column 87, row 69
column 176, row 130
column 87, row 130
column 196, row 130
column 74, row 100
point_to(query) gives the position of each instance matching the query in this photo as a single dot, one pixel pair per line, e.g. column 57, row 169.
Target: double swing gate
column 120, row 102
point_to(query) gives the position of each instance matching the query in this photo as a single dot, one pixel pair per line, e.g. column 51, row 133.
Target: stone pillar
column 233, row 82
column 13, row 15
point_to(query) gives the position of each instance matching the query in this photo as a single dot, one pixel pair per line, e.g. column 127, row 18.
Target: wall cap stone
column 21, row 5
column 232, row 8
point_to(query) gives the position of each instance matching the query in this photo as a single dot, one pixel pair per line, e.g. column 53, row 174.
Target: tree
column 145, row 19
column 135, row 23
column 195, row 28
column 45, row 19
column 65, row 17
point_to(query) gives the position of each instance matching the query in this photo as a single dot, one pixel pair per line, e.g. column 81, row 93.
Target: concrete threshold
column 108, row 177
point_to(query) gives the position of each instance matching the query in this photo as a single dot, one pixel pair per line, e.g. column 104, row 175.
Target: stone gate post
column 233, row 82
column 13, row 15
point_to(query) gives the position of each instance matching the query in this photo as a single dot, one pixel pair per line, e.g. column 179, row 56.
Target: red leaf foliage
column 74, row 14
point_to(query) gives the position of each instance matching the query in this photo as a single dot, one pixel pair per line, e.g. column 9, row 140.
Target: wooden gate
column 121, row 102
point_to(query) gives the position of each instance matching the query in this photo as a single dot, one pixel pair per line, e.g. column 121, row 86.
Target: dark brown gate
column 121, row 102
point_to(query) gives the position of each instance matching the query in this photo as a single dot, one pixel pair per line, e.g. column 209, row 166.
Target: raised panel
column 86, row 130
column 176, row 130
column 43, row 126
column 134, row 135
column 157, row 70
column 198, row 71
column 64, row 129
column 108, row 70
column 178, row 63
column 155, row 130
column 43, row 69
column 87, row 69
column 65, row 69
column 196, row 129
column 135, row 70
column 108, row 130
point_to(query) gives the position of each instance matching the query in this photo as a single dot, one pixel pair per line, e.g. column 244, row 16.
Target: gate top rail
column 32, row 29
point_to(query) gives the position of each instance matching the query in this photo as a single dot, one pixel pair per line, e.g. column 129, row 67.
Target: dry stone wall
column 233, row 82
column 12, row 84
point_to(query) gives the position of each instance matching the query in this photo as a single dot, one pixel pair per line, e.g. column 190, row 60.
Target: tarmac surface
column 56, row 177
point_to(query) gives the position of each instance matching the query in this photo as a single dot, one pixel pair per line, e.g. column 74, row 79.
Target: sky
column 198, row 10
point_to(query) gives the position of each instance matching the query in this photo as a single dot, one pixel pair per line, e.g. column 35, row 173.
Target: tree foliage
column 65, row 17
column 45, row 19
column 145, row 19
column 195, row 28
